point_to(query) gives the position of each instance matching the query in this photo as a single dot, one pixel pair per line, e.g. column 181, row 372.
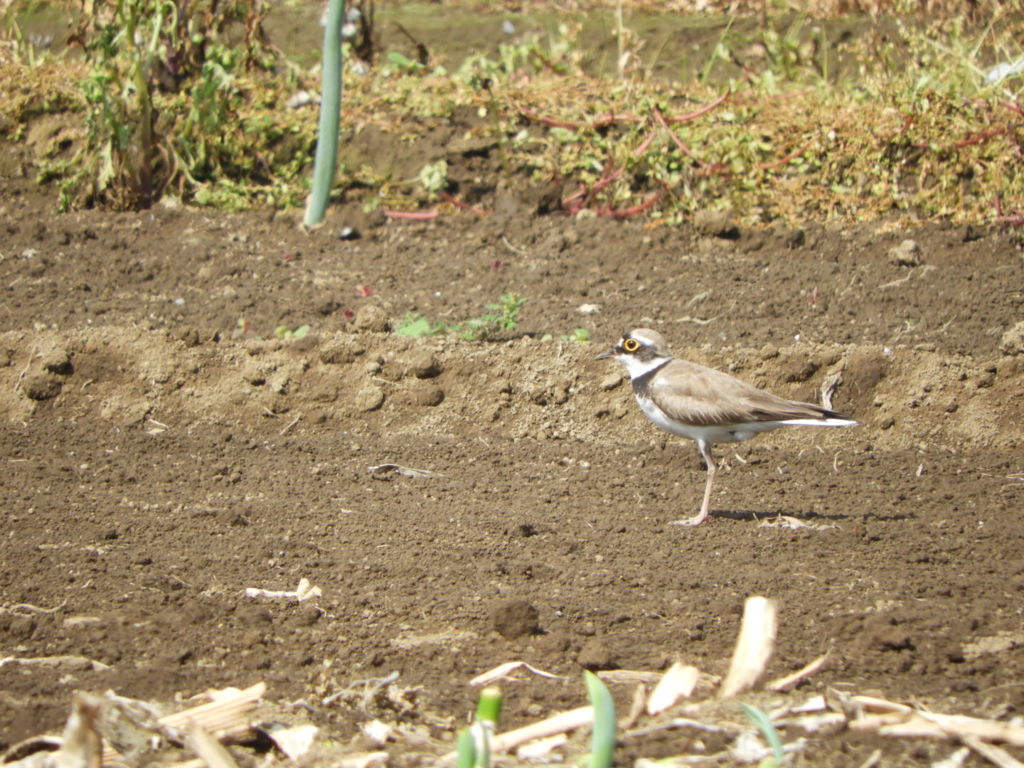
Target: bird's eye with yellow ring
column 631, row 345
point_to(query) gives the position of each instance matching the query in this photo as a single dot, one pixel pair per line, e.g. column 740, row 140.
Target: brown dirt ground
column 163, row 451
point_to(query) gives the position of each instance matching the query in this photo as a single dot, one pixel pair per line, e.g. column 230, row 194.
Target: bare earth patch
column 163, row 452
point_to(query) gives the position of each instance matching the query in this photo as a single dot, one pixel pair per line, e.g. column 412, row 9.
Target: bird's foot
column 690, row 521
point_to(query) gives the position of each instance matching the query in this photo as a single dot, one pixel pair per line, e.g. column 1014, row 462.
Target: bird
column 706, row 405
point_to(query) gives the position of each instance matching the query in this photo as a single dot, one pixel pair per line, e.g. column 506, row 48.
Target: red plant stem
column 551, row 122
column 783, row 160
column 588, row 192
column 612, row 117
column 678, row 142
column 715, row 169
column 602, row 122
column 412, row 215
column 645, row 144
column 464, row 206
column 625, row 213
column 697, row 112
column 1010, row 220
column 979, row 137
column 574, row 196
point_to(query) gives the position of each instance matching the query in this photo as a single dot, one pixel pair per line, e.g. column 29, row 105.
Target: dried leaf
column 211, row 751
column 305, row 591
column 503, row 672
column 364, row 760
column 754, row 648
column 787, row 682
column 294, row 741
column 677, row 683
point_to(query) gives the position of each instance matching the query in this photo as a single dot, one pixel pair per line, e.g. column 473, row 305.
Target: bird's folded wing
column 706, row 397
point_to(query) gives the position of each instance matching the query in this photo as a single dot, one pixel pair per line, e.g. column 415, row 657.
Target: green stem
column 465, row 749
column 488, row 708
column 602, row 739
column 330, row 115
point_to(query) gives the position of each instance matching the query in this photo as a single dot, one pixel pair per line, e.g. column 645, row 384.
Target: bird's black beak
column 606, row 355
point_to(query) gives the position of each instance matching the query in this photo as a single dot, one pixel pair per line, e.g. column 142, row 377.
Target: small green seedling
column 770, row 734
column 286, row 333
column 433, row 177
column 473, row 748
column 602, row 739
column 403, row 64
column 417, row 326
column 503, row 316
column 579, row 335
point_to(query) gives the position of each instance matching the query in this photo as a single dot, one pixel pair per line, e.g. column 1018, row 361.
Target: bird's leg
column 705, row 452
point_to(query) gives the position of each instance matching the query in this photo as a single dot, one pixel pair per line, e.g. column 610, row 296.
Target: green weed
column 770, row 734
column 417, row 326
column 785, row 119
column 167, row 96
column 502, row 317
column 286, row 333
column 603, row 736
column 473, row 746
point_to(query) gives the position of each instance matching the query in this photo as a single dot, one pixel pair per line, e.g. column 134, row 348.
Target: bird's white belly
column 709, row 434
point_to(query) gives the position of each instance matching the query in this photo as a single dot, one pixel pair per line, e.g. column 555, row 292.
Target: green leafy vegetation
column 603, row 736
column 284, row 332
column 179, row 98
column 784, row 117
column 417, row 326
column 473, row 744
column 770, row 734
column 502, row 317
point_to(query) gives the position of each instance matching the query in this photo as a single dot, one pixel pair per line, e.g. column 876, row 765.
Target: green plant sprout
column 503, row 316
column 602, row 739
column 286, row 333
column 770, row 734
column 404, row 64
column 433, row 177
column 417, row 326
column 579, row 336
column 473, row 747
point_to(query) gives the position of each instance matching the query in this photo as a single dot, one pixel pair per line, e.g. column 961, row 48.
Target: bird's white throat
column 637, row 368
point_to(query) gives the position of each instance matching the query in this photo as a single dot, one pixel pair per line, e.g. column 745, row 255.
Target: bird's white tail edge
column 819, row 423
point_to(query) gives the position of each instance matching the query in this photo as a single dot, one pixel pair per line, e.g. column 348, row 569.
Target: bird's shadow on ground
column 757, row 516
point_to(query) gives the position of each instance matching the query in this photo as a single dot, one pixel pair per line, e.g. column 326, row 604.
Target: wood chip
column 628, row 676
column 504, row 671
column 992, row 753
column 932, row 725
column 677, row 683
column 754, row 648
column 207, row 748
column 788, row 682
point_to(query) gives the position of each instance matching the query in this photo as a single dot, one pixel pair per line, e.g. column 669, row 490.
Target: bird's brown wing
column 703, row 396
